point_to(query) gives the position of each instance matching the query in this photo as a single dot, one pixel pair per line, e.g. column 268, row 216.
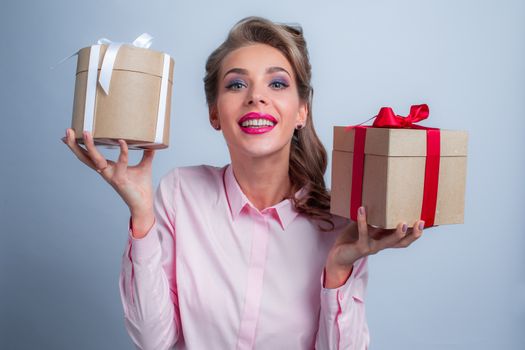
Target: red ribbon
column 358, row 167
column 430, row 189
column 387, row 119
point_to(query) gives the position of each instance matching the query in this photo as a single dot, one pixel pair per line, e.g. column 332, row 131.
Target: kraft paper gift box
column 123, row 92
column 396, row 182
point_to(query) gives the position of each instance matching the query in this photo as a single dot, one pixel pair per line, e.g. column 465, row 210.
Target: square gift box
column 136, row 108
column 394, row 176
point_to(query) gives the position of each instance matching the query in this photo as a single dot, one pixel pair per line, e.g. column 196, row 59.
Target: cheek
column 289, row 109
column 223, row 109
column 228, row 103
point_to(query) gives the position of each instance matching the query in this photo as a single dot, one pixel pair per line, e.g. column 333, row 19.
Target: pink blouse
column 214, row 272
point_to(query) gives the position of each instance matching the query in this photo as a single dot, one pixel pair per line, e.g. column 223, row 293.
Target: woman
column 246, row 256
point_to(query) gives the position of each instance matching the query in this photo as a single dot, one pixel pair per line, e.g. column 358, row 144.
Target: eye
column 236, row 85
column 279, row 84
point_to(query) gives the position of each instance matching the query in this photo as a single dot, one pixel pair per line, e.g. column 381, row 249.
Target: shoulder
column 195, row 178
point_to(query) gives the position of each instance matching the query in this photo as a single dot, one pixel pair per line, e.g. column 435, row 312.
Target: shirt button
column 340, row 296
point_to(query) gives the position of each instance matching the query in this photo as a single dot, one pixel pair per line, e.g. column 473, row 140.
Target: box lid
column 129, row 58
column 401, row 142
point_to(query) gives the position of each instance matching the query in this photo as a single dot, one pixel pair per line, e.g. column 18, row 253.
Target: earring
column 299, row 127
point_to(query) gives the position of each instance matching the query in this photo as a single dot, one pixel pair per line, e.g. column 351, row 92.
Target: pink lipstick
column 257, row 123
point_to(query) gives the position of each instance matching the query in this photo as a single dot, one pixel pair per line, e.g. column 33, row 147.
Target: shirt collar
column 284, row 211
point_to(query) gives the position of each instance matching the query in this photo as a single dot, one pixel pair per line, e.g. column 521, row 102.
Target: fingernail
column 66, row 134
column 361, row 210
column 404, row 228
column 421, row 225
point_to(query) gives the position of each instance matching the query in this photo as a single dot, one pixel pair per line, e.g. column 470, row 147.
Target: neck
column 264, row 180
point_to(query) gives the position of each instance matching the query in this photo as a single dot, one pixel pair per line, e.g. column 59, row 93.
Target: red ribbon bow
column 387, row 119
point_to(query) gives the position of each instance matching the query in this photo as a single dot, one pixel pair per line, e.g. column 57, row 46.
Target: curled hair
column 308, row 159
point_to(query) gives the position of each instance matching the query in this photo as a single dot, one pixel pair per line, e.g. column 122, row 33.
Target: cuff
column 144, row 248
column 336, row 299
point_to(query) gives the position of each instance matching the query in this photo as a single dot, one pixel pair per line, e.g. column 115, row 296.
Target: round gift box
column 130, row 111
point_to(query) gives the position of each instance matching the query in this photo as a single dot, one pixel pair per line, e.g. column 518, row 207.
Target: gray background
column 63, row 229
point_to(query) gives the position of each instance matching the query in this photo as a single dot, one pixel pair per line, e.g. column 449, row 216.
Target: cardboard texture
column 394, row 171
column 130, row 109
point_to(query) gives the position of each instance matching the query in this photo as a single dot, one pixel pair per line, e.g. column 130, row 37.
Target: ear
column 214, row 117
column 212, row 112
column 302, row 115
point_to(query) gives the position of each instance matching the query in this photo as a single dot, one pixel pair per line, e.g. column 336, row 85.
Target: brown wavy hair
column 308, row 157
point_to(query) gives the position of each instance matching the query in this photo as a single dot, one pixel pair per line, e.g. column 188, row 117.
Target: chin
column 264, row 150
column 258, row 146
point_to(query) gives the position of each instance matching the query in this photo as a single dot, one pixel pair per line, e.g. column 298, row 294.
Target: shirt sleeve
column 147, row 281
column 342, row 319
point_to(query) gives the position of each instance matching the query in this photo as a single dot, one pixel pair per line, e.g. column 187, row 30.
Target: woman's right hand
column 132, row 183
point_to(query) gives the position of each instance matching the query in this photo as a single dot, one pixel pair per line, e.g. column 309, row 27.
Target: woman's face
column 258, row 105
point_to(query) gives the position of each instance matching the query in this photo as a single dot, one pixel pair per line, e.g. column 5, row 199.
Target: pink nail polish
column 421, row 225
column 361, row 211
column 404, row 228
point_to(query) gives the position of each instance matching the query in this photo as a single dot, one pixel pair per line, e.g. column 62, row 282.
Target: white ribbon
column 91, row 88
column 161, row 112
column 143, row 41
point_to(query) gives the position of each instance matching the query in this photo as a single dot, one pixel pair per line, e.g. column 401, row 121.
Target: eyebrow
column 269, row 70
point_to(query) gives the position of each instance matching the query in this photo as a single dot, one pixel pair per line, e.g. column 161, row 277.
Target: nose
column 255, row 97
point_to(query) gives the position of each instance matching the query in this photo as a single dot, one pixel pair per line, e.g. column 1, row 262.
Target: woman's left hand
column 360, row 240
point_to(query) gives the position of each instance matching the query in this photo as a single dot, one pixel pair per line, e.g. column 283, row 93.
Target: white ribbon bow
column 143, row 41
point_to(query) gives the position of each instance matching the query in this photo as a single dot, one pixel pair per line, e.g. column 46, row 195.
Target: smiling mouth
column 257, row 123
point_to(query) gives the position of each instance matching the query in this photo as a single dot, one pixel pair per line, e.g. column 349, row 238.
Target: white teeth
column 257, row 122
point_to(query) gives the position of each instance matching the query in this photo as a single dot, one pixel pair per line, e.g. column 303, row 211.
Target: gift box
column 123, row 91
column 399, row 171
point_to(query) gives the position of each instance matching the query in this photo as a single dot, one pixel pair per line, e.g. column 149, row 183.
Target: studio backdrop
column 63, row 229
